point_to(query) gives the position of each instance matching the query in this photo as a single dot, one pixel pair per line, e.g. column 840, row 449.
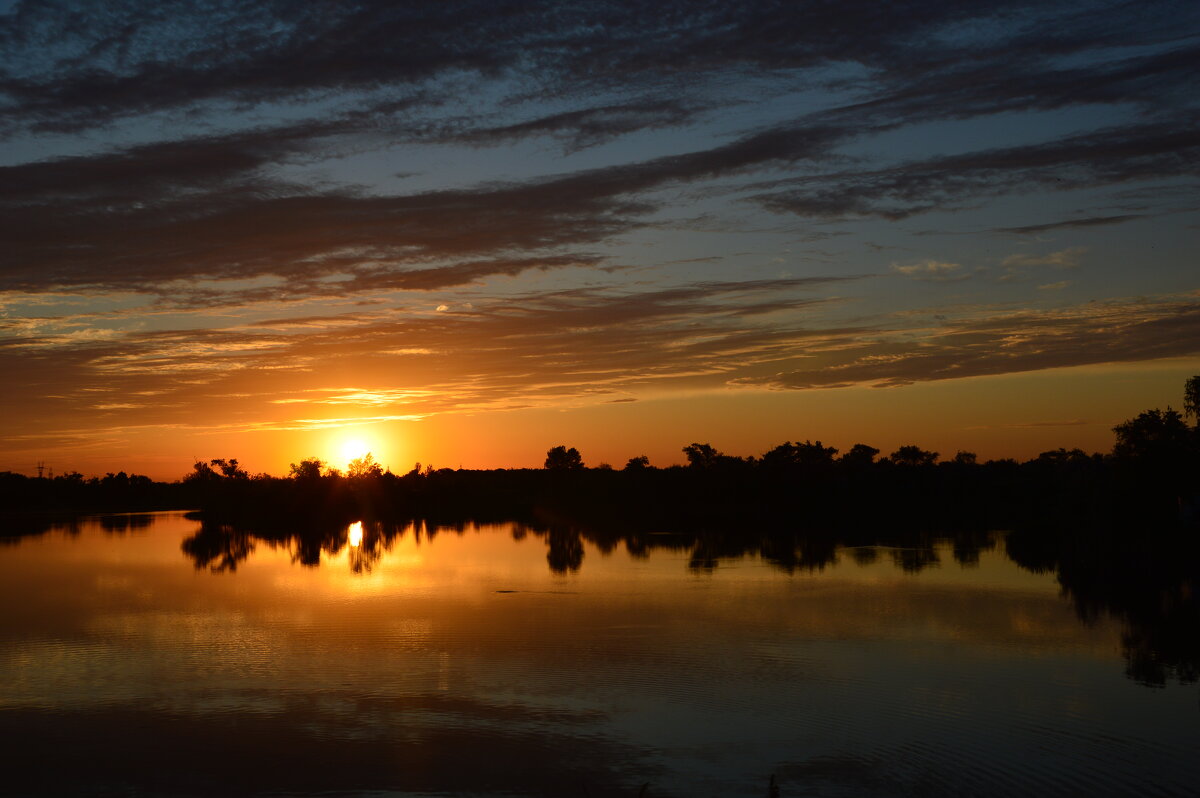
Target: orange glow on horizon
column 1014, row 415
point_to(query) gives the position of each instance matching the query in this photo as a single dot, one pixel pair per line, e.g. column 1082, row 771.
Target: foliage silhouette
column 701, row 455
column 860, row 454
column 913, row 456
column 1154, row 435
column 364, row 467
column 307, row 470
column 560, row 458
column 637, row 463
column 791, row 455
column 1191, row 398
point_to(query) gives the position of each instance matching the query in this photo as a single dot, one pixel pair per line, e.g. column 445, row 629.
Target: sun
column 353, row 448
column 342, row 447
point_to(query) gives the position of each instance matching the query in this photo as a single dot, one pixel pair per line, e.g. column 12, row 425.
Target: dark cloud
column 154, row 173
column 136, row 58
column 1106, row 157
column 259, row 227
column 158, row 216
column 1008, row 343
column 1023, row 75
column 67, row 67
column 584, row 128
column 1066, row 224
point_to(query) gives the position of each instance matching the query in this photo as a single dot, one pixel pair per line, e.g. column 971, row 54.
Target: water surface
column 138, row 657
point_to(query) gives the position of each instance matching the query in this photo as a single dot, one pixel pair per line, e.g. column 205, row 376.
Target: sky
column 461, row 233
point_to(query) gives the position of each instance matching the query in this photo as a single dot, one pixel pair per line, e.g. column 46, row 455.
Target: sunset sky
column 462, row 233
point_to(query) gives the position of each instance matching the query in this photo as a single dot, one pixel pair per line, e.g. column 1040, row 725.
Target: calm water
column 132, row 663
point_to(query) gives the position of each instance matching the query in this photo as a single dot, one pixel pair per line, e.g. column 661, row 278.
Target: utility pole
column 40, row 467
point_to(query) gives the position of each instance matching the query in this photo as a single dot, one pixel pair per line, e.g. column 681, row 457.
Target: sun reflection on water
column 356, row 534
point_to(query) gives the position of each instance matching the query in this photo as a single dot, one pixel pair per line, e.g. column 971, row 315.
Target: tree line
column 1153, row 467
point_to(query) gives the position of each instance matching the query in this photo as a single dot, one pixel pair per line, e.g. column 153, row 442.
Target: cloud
column 1062, row 259
column 1068, row 224
column 533, row 349
column 266, row 54
column 1017, row 267
column 153, row 173
column 932, row 271
column 1075, row 422
column 1006, row 343
column 159, row 217
column 586, row 127
column 254, row 227
column 567, row 347
column 1112, row 156
column 94, row 65
column 1037, row 70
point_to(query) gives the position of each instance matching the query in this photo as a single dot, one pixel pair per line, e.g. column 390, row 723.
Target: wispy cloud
column 1005, row 342
column 1062, row 259
column 1108, row 157
column 932, row 270
column 1070, row 224
column 586, row 345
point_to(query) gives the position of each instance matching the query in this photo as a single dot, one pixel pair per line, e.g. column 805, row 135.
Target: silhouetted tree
column 965, row 458
column 111, row 480
column 1159, row 455
column 307, row 470
column 637, row 463
column 1153, row 435
column 799, row 454
column 229, row 468
column 913, row 456
column 860, row 454
column 1061, row 456
column 1191, row 398
column 201, row 472
column 701, row 455
column 560, row 458
column 364, row 467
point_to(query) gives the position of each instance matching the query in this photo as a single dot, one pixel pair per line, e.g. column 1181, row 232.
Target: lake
column 142, row 655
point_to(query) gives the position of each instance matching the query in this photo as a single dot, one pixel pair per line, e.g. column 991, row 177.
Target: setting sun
column 353, row 449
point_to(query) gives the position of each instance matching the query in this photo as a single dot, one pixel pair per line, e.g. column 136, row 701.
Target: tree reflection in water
column 566, row 549
column 219, row 547
column 1148, row 582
